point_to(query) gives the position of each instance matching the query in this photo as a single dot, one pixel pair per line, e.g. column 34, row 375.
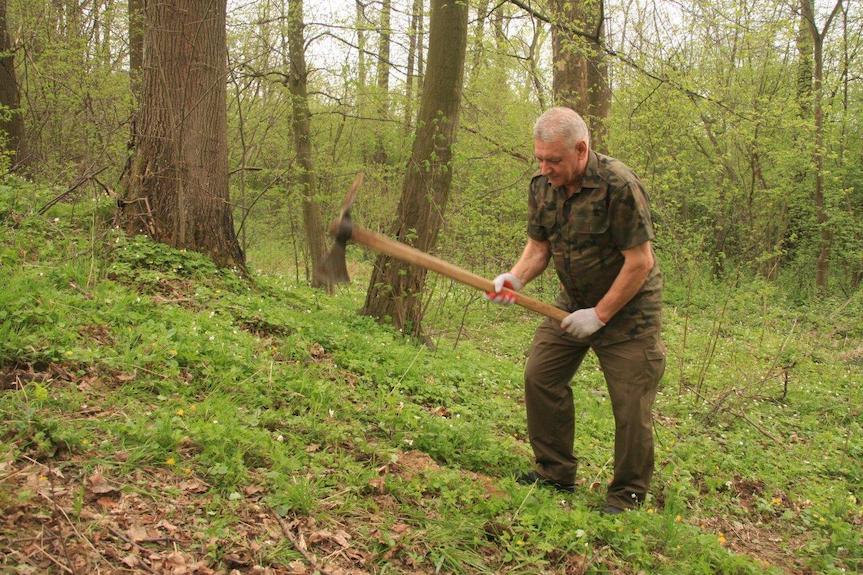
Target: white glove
column 504, row 280
column 581, row 323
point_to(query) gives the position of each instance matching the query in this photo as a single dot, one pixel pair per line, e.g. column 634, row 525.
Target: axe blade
column 334, row 268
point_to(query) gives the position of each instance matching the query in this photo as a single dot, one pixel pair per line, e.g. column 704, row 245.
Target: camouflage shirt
column 587, row 233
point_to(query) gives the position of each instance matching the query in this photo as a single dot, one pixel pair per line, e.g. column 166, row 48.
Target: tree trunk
column 11, row 121
column 804, row 60
column 178, row 183
column 822, row 264
column 416, row 14
column 136, row 44
column 580, row 77
column 395, row 288
column 479, row 39
column 420, row 49
column 301, row 124
column 383, row 71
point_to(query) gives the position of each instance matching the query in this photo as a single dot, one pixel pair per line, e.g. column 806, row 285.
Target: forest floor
column 163, row 416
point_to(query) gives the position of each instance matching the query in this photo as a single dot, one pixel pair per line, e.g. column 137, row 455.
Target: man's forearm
column 636, row 268
column 533, row 261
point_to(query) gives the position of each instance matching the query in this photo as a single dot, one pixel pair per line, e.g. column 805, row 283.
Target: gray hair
column 561, row 123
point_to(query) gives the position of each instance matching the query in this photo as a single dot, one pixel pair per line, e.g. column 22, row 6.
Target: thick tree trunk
column 301, row 125
column 395, row 288
column 11, row 121
column 580, row 77
column 178, row 183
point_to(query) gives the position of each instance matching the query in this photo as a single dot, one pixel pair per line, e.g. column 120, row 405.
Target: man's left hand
column 581, row 323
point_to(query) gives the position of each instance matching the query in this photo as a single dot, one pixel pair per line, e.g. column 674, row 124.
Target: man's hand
column 581, row 323
column 507, row 280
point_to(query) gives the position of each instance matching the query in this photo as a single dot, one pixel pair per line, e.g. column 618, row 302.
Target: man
column 589, row 213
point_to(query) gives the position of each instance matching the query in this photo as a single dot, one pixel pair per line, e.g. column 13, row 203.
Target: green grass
column 411, row 450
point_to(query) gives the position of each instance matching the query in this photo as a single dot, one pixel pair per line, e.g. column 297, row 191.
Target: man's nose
column 543, row 168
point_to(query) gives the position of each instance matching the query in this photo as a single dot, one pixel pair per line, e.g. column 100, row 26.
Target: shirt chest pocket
column 589, row 218
column 547, row 218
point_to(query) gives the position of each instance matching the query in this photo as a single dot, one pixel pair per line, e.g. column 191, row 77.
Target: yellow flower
column 776, row 501
column 722, row 539
column 193, row 408
column 170, row 461
column 678, row 519
column 180, row 412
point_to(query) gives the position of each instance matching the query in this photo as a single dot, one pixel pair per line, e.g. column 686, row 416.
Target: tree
column 302, row 136
column 415, row 23
column 383, row 71
column 11, row 122
column 580, row 77
column 178, row 185
column 822, row 264
column 136, row 42
column 395, row 288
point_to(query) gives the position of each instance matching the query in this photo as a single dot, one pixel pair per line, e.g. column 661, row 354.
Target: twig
column 746, row 419
column 119, row 534
column 75, row 529
column 54, row 561
column 299, row 544
column 83, row 180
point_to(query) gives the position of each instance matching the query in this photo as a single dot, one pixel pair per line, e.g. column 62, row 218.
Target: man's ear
column 581, row 148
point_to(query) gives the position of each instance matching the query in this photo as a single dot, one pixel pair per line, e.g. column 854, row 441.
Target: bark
column 301, row 124
column 482, row 14
column 499, row 34
column 383, row 72
column 804, row 60
column 421, row 48
column 395, row 288
column 107, row 24
column 822, row 264
column 580, row 76
column 11, row 121
column 416, row 14
column 178, row 183
column 136, row 44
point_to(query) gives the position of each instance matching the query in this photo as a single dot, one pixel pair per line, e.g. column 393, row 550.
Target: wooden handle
column 406, row 253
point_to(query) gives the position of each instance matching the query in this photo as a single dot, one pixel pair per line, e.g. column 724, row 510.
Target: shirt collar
column 591, row 178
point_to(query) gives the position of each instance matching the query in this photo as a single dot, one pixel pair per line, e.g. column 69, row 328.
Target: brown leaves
column 98, row 485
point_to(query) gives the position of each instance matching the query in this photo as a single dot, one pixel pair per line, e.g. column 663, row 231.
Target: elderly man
column 589, row 213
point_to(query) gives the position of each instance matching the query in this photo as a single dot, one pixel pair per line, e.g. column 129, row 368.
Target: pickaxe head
column 333, row 269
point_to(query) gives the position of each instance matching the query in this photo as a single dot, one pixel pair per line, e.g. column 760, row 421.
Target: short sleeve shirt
column 587, row 233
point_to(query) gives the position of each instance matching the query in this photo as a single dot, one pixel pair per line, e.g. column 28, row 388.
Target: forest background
column 741, row 118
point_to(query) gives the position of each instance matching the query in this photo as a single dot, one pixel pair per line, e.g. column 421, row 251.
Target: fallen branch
column 299, row 543
column 81, row 181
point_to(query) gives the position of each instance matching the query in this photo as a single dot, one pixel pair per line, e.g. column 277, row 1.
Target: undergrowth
column 198, row 372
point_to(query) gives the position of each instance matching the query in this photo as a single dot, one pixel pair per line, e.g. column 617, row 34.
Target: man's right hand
column 506, row 280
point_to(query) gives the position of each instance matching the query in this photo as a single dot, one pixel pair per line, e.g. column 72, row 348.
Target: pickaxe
column 334, row 268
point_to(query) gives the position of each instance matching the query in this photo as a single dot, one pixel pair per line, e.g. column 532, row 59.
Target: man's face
column 561, row 164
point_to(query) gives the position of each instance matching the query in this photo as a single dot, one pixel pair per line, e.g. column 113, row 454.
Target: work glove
column 581, row 323
column 506, row 280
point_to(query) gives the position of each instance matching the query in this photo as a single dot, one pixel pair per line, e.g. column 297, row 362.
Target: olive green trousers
column 632, row 370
